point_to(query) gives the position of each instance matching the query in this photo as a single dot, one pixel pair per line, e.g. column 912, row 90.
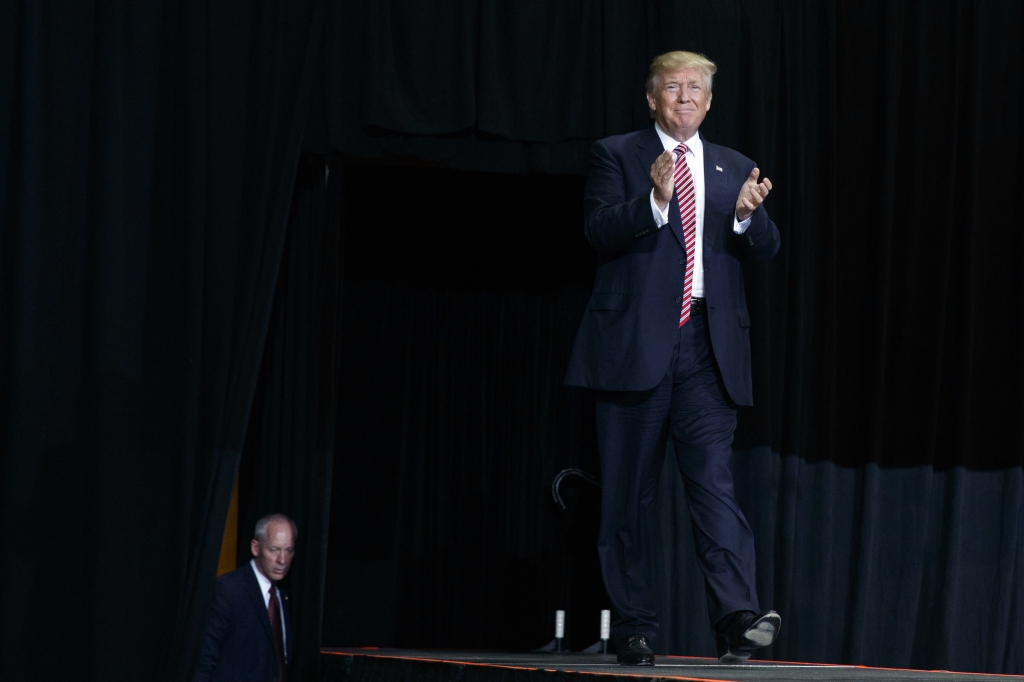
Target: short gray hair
column 262, row 524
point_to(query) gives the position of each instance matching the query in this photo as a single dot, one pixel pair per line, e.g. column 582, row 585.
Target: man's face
column 680, row 101
column 274, row 554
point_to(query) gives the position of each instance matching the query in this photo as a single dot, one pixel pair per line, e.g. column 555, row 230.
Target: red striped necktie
column 687, row 198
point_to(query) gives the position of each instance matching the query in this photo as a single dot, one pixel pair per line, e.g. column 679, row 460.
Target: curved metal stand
column 565, row 473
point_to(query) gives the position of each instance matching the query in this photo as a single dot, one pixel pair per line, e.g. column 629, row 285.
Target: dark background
column 187, row 292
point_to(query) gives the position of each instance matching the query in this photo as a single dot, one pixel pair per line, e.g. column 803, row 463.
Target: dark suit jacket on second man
column 237, row 643
column 628, row 331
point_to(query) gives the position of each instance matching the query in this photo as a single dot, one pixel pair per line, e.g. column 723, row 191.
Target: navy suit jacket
column 629, row 329
column 237, row 643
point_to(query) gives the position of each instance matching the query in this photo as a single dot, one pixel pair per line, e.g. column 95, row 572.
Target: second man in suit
column 665, row 344
column 248, row 635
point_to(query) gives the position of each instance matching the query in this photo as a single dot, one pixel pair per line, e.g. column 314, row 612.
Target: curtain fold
column 150, row 157
column 289, row 450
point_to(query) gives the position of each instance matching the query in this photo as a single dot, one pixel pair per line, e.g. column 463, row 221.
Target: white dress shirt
column 265, row 584
column 695, row 160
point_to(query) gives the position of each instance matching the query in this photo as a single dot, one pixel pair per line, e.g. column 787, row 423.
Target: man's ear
column 707, row 107
column 255, row 547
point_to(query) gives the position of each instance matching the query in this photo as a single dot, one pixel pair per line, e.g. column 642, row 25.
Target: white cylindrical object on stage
column 606, row 623
column 559, row 624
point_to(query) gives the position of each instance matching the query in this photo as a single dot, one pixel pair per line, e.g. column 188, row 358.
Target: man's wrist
column 660, row 213
column 740, row 225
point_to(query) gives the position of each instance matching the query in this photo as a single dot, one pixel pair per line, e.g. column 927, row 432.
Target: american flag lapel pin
column 719, row 169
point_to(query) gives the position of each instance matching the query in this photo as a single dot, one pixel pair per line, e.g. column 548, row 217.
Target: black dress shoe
column 744, row 631
column 634, row 650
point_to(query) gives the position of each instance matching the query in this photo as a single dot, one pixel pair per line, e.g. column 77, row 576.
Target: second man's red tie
column 274, row 611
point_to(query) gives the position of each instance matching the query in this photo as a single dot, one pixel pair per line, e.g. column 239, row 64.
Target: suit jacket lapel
column 648, row 149
column 715, row 188
column 287, row 627
column 256, row 598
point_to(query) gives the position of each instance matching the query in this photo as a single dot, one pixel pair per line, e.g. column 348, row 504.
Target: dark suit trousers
column 690, row 404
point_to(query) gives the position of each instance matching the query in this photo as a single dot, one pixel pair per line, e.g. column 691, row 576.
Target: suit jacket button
column 679, row 299
column 682, row 261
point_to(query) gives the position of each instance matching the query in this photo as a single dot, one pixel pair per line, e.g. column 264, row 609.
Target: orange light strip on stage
column 864, row 667
column 645, row 674
column 669, row 676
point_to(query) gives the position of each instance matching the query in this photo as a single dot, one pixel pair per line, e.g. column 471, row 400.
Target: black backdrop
column 881, row 466
column 890, row 129
column 149, row 159
column 149, row 163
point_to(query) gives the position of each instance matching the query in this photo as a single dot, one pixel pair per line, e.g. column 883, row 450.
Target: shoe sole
column 763, row 631
column 734, row 657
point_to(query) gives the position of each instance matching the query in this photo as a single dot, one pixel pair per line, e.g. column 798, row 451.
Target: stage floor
column 365, row 665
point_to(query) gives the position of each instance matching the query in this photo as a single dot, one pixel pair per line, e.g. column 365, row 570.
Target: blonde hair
column 673, row 61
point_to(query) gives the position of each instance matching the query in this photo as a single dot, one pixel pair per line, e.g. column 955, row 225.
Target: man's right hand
column 661, row 176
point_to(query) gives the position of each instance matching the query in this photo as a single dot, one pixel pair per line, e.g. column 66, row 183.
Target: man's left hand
column 752, row 194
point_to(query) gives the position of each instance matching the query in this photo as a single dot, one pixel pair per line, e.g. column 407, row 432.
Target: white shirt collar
column 694, row 144
column 263, row 580
column 265, row 584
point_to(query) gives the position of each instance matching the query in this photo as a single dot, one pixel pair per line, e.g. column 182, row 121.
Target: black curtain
column 890, row 129
column 150, row 153
column 453, row 418
column 881, row 466
column 288, row 454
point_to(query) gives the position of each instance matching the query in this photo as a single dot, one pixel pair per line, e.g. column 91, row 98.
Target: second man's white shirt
column 265, row 584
